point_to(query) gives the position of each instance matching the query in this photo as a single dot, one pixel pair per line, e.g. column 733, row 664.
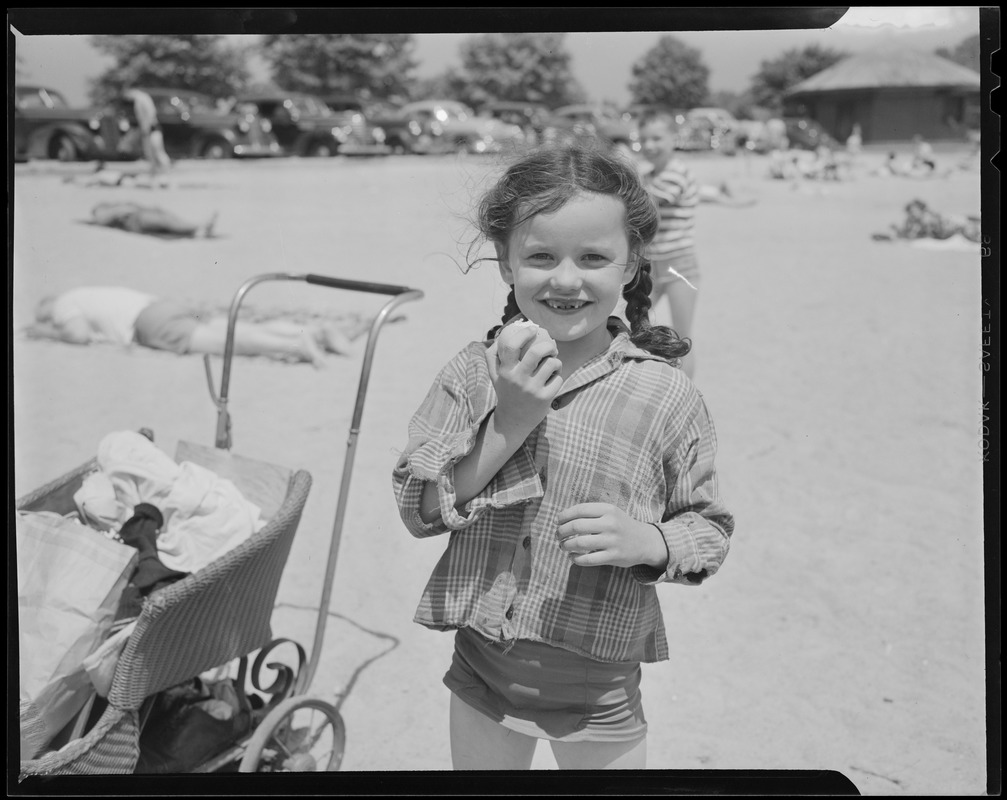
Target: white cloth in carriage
column 204, row 515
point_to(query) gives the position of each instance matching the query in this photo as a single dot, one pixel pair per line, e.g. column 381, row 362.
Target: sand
column 844, row 632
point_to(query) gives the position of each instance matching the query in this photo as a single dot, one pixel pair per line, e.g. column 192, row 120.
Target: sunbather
column 119, row 315
column 156, row 221
column 922, row 222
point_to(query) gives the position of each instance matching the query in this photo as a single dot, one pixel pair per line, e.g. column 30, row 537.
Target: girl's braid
column 510, row 310
column 657, row 339
column 637, row 296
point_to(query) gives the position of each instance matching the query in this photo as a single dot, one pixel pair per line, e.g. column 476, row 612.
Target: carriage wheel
column 302, row 734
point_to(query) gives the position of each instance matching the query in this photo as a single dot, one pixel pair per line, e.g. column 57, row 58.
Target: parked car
column 601, row 121
column 303, row 125
column 47, row 127
column 806, row 134
column 195, row 126
column 763, row 136
column 713, row 129
column 441, row 126
column 306, row 125
column 636, row 112
column 372, row 125
column 530, row 117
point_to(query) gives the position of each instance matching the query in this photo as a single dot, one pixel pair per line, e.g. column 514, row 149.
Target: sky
column 601, row 61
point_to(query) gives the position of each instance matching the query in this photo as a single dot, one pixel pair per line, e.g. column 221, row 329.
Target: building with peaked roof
column 892, row 94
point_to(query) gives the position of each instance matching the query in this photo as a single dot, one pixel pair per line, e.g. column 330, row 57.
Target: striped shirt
column 627, row 429
column 676, row 194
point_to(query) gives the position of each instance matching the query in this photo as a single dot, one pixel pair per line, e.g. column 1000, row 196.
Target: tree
column 533, row 67
column 448, row 83
column 375, row 64
column 775, row 76
column 201, row 63
column 966, row 53
column 670, row 74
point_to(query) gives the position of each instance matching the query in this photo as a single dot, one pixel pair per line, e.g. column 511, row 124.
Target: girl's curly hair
column 542, row 182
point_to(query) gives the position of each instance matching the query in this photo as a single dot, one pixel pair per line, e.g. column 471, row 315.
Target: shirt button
column 556, row 404
column 526, row 542
column 510, row 613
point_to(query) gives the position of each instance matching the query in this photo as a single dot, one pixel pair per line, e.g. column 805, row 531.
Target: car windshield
column 184, row 103
column 345, row 104
column 41, row 98
column 310, row 106
column 443, row 113
column 200, row 104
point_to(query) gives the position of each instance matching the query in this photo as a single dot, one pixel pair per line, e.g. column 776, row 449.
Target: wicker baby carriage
column 220, row 615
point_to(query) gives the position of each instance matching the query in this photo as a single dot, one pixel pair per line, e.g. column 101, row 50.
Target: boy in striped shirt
column 672, row 253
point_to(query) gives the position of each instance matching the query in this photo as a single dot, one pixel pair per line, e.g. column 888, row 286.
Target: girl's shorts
column 685, row 264
column 165, row 325
column 547, row 692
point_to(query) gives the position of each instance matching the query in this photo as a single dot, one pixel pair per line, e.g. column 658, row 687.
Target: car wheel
column 322, row 150
column 62, row 148
column 216, row 148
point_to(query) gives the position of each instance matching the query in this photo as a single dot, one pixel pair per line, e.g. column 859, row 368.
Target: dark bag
column 180, row 734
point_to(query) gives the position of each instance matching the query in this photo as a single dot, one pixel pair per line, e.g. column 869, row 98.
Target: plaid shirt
column 628, row 429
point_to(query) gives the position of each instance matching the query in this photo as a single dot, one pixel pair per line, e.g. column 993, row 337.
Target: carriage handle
column 400, row 295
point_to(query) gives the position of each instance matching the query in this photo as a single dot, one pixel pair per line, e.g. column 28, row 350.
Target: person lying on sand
column 104, row 176
column 796, row 165
column 124, row 316
column 151, row 220
column 895, row 167
column 922, row 222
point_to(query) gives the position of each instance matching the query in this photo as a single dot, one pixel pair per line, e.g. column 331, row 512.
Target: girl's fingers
column 579, row 529
column 540, row 350
column 579, row 543
column 593, row 559
column 548, row 367
column 583, row 510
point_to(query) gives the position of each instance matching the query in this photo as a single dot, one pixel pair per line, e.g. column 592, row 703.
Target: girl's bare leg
column 479, row 743
column 601, row 755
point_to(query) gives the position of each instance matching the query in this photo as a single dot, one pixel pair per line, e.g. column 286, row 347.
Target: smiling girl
column 572, row 463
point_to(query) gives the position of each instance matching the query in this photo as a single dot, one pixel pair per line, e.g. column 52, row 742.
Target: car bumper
column 257, row 150
column 360, row 149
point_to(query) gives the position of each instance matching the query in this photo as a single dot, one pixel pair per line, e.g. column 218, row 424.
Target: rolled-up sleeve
column 696, row 524
column 441, row 433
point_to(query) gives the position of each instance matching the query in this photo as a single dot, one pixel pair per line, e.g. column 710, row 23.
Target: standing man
column 150, row 133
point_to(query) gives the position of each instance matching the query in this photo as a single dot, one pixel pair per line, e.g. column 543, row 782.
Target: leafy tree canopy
column 447, row 84
column 671, row 74
column 777, row 75
column 200, row 63
column 533, row 67
column 372, row 64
